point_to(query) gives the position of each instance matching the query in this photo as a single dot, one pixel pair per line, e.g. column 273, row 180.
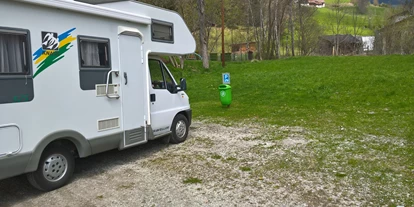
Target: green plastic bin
column 225, row 94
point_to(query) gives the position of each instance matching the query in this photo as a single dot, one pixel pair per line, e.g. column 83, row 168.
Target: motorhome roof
column 183, row 43
column 81, row 7
column 99, row 1
column 135, row 12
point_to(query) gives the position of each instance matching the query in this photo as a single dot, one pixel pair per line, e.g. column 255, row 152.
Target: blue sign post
column 226, row 78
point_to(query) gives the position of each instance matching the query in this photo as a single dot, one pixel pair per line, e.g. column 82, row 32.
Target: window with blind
column 94, row 61
column 162, row 31
column 16, row 81
column 13, row 52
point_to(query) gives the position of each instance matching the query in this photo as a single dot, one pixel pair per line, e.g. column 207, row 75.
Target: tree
column 356, row 25
column 396, row 37
column 292, row 28
column 409, row 6
column 338, row 15
column 268, row 20
column 277, row 29
column 308, row 29
column 270, row 23
column 256, row 21
column 363, row 6
column 202, row 33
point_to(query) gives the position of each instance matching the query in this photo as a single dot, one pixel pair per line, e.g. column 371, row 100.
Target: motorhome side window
column 94, row 61
column 13, row 53
column 160, row 78
column 16, row 81
column 162, row 31
column 94, row 53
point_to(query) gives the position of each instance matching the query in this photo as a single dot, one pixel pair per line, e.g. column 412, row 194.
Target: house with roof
column 243, row 50
column 347, row 45
column 243, row 47
column 313, row 3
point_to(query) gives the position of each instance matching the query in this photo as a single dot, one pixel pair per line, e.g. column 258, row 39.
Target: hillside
column 366, row 24
column 365, row 93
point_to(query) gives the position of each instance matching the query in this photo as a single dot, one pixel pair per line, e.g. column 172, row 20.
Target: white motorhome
column 77, row 79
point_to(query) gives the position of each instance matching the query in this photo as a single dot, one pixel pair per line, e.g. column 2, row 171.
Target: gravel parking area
column 238, row 165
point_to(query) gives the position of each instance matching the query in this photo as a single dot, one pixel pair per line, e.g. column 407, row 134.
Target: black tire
column 59, row 162
column 179, row 129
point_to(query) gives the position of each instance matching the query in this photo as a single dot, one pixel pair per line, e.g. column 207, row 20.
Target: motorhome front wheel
column 179, row 129
column 55, row 169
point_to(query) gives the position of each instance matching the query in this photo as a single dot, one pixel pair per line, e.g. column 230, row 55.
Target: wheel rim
column 180, row 129
column 55, row 167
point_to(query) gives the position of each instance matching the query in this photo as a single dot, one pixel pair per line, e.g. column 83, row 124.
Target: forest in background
column 282, row 27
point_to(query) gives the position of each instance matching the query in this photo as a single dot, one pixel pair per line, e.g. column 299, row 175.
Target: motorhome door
column 133, row 90
column 164, row 102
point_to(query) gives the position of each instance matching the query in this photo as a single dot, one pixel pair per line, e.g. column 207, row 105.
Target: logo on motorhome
column 53, row 48
column 50, row 41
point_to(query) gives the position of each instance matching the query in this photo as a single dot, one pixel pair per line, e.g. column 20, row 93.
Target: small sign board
column 226, row 78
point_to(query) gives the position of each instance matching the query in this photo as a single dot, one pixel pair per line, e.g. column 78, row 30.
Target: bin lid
column 224, row 86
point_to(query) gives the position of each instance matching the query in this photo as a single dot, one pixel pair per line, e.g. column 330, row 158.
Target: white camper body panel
column 61, row 108
column 184, row 42
column 59, row 103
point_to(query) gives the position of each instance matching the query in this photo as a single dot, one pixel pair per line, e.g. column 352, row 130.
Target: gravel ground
column 238, row 165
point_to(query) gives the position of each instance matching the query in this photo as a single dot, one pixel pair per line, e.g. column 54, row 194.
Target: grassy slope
column 369, row 94
column 341, row 99
column 326, row 18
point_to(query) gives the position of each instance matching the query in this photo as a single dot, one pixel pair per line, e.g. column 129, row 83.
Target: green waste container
column 225, row 94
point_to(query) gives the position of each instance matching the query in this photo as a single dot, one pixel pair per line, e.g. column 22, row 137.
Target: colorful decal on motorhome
column 46, row 58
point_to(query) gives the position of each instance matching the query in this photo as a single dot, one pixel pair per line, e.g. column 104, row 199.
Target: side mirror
column 183, row 84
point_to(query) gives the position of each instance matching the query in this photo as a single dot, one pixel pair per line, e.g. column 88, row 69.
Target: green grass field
column 366, row 24
column 360, row 111
column 370, row 94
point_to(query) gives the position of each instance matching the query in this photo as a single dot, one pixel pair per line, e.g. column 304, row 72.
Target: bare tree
column 302, row 36
column 308, row 29
column 338, row 15
column 270, row 23
column 292, row 28
column 276, row 26
column 247, row 29
column 268, row 19
column 357, row 24
column 254, row 18
column 202, row 33
column 409, row 6
column 262, row 29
